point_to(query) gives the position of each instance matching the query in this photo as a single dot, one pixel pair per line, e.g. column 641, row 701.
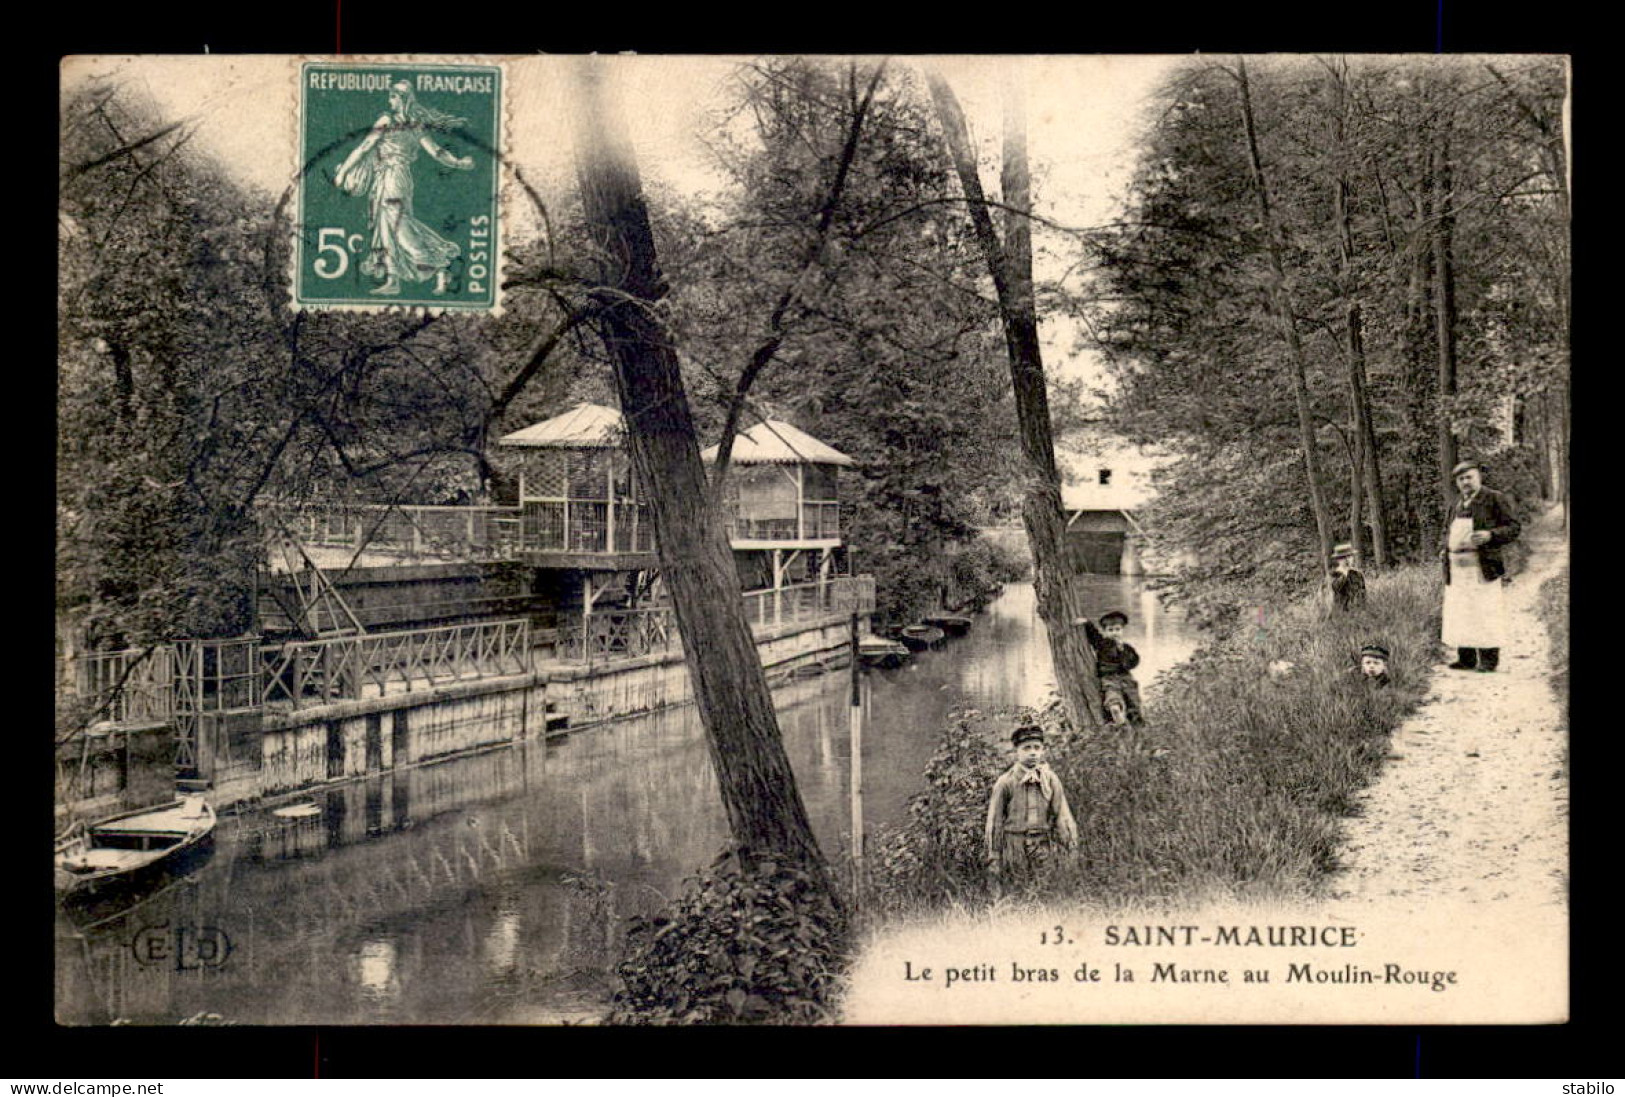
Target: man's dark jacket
column 1492, row 511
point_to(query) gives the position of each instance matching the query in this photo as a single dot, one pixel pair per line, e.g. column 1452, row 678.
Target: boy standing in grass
column 1347, row 584
column 1027, row 815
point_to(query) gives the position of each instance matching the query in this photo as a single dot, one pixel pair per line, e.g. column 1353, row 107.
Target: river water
column 486, row 889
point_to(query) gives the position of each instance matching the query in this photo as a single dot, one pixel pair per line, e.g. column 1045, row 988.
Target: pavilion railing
column 612, row 634
column 819, row 522
column 608, row 635
column 456, row 532
column 132, row 686
column 316, row 672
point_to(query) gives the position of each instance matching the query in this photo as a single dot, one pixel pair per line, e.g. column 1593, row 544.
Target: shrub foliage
column 750, row 941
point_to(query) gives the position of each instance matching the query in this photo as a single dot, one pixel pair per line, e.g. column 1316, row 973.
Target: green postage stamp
column 399, row 186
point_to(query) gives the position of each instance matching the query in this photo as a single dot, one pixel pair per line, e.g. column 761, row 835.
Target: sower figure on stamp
column 1481, row 524
column 1115, row 662
column 1027, row 815
column 403, row 249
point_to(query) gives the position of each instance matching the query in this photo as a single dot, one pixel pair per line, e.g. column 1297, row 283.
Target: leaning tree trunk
column 1281, row 306
column 764, row 807
column 1010, row 264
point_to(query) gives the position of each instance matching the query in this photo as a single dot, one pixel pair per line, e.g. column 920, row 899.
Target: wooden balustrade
column 132, row 686
column 614, row 634
column 314, row 672
column 454, row 532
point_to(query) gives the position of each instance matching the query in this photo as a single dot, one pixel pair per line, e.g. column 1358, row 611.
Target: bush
column 938, row 852
column 746, row 943
column 913, row 580
column 1516, row 472
column 1237, row 785
column 979, row 571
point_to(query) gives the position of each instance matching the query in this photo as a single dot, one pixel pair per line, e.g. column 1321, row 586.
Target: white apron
column 1474, row 610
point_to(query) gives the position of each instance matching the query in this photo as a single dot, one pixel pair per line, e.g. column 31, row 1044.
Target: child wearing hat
column 1115, row 660
column 1347, row 584
column 1373, row 665
column 1027, row 814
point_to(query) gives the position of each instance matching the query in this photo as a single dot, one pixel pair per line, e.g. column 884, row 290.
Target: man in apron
column 1480, row 525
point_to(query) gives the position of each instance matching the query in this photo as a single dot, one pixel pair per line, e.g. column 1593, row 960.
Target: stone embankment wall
column 307, row 747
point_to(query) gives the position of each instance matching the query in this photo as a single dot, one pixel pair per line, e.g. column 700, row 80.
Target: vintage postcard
column 812, row 540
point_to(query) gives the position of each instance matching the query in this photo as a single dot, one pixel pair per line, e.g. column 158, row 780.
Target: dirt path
column 1472, row 804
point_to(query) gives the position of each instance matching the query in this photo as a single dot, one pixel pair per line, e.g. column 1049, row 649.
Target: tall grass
column 1236, row 787
column 1554, row 611
column 1553, row 608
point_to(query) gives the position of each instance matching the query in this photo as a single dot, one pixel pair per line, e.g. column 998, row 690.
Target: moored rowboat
column 920, row 637
column 877, row 651
column 133, row 847
column 951, row 623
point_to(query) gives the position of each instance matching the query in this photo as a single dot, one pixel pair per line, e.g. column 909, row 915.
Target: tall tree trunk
column 123, row 385
column 764, row 807
column 1423, row 503
column 1444, row 302
column 1563, row 451
column 1365, row 434
column 1281, row 305
column 1356, row 490
column 1010, row 264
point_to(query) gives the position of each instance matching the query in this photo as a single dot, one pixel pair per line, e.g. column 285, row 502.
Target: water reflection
column 489, row 888
column 375, row 970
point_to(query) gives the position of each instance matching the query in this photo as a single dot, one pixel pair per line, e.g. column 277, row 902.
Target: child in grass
column 1346, row 583
column 1114, row 660
column 1027, row 815
column 1373, row 667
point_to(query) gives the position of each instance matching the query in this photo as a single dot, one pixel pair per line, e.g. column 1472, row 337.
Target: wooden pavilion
column 783, row 504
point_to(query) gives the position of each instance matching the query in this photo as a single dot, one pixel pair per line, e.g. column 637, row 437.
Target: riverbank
column 1237, row 808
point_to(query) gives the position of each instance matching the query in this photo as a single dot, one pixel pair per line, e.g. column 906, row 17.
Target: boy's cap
column 1342, row 551
column 1374, row 649
column 1463, row 466
column 1026, row 733
column 1113, row 615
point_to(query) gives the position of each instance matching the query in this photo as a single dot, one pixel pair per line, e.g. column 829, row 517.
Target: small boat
column 951, row 623
column 306, row 809
column 920, row 637
column 877, row 651
column 134, row 847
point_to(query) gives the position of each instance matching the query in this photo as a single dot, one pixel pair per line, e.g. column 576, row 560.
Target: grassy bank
column 1236, row 788
column 1553, row 609
column 1235, row 791
column 1554, row 612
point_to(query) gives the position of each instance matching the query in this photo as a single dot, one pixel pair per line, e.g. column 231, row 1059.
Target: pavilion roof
column 594, row 426
column 775, row 442
column 585, row 426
